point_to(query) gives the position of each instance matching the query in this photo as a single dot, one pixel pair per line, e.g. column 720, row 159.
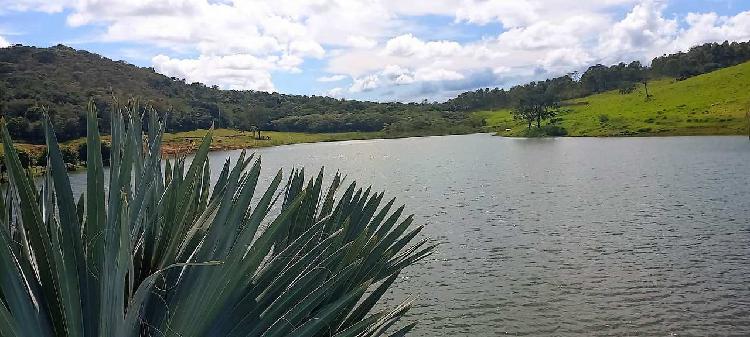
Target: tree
column 524, row 111
column 535, row 104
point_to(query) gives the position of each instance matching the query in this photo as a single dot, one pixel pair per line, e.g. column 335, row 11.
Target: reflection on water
column 562, row 237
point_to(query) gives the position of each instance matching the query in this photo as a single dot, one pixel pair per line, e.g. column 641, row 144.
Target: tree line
column 600, row 78
column 62, row 80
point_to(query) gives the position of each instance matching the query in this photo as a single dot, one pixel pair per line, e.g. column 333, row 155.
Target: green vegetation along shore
column 226, row 139
column 716, row 103
column 33, row 156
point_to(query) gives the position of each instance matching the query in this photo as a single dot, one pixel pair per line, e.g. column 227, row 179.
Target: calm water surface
column 563, row 237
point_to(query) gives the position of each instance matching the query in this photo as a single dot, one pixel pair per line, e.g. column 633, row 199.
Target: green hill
column 716, row 103
column 63, row 80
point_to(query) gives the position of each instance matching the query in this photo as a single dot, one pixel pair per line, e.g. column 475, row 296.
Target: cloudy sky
column 384, row 50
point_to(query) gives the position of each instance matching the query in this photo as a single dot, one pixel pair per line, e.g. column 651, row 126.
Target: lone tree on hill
column 535, row 104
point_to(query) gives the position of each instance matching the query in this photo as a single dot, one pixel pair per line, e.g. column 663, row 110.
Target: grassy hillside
column 716, row 103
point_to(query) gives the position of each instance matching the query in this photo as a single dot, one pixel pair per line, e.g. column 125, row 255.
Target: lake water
column 562, row 237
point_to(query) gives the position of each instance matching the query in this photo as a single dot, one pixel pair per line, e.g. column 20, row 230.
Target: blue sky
column 382, row 50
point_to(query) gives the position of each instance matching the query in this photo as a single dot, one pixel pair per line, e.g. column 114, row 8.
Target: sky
column 380, row 50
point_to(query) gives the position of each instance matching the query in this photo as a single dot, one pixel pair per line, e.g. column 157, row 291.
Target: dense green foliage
column 535, row 104
column 701, row 59
column 63, row 80
column 161, row 251
column 600, row 78
column 715, row 103
column 60, row 81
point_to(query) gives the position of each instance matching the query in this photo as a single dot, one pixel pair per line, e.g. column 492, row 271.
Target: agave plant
column 160, row 251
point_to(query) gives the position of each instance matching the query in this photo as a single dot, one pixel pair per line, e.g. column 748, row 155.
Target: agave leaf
column 320, row 320
column 8, row 325
column 368, row 303
column 26, row 318
column 403, row 331
column 71, row 256
column 95, row 218
column 357, row 328
column 37, row 233
column 297, row 310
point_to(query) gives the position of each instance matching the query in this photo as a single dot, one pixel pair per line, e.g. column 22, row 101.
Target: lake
column 562, row 237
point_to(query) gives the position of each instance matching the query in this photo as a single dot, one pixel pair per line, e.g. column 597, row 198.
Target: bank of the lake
column 226, row 139
column 185, row 143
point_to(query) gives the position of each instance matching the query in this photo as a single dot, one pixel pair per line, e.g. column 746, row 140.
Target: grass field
column 711, row 104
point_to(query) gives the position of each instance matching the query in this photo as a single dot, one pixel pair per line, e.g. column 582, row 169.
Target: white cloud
column 565, row 33
column 332, row 78
column 245, row 41
column 565, row 59
column 500, row 70
column 240, row 72
column 399, row 75
column 361, row 42
column 522, row 13
column 709, row 27
column 511, row 13
column 560, row 39
column 432, row 74
column 377, row 43
column 407, row 45
column 3, row 42
column 47, row 6
column 642, row 31
column 337, row 92
column 366, row 83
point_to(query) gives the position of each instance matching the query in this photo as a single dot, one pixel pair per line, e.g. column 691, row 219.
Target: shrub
column 546, row 131
column 554, row 131
column 41, row 158
column 69, row 155
column 627, row 89
column 603, row 119
column 25, row 158
column 83, row 152
column 168, row 253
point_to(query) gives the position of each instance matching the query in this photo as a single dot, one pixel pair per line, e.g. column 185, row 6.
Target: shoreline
column 186, row 143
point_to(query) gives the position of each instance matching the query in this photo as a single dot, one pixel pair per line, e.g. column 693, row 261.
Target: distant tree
column 535, row 104
column 645, row 87
column 524, row 111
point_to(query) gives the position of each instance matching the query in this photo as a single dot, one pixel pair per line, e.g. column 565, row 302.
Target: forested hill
column 63, row 80
column 601, row 78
